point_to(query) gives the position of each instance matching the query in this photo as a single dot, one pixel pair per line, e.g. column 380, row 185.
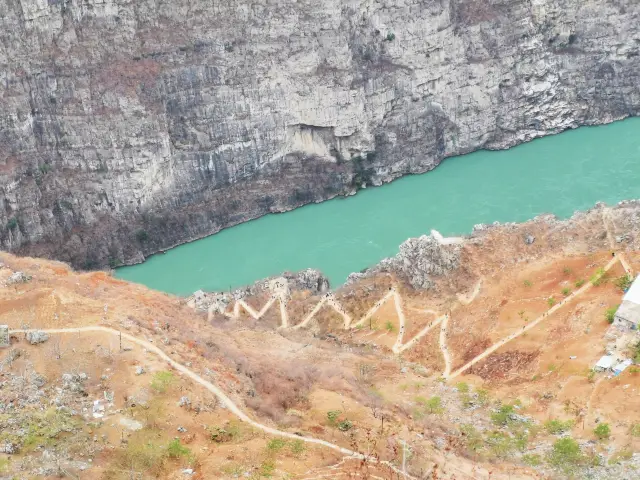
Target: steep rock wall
column 127, row 127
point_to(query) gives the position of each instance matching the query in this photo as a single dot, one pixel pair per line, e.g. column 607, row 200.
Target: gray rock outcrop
column 36, row 337
column 420, row 259
column 129, row 127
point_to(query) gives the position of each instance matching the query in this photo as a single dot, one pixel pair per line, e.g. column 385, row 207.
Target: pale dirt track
column 229, row 404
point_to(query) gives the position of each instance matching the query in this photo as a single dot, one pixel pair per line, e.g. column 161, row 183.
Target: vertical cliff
column 130, row 126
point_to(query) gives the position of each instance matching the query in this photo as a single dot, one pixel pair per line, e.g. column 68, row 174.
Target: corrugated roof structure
column 628, row 314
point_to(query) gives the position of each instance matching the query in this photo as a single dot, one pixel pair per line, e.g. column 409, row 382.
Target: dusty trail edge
column 230, row 405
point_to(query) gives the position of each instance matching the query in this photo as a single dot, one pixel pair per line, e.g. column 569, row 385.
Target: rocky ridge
column 130, row 127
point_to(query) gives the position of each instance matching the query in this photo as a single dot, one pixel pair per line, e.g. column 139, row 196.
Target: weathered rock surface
column 420, row 260
column 36, row 337
column 128, row 127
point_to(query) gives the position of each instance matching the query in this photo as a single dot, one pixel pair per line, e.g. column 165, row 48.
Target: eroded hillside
column 485, row 374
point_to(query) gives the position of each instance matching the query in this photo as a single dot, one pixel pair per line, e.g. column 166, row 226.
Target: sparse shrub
column 566, row 291
column 552, row 367
column 567, row 270
column 388, row 326
column 501, row 444
column 591, row 376
column 230, row 432
column 462, row 387
column 12, row 223
column 527, row 283
column 623, row 282
column 635, row 430
column 610, row 314
column 161, row 381
column 175, row 449
column 556, row 427
column 483, row 396
column 602, row 431
column 565, row 454
column 434, row 405
column 391, row 37
column 332, row 416
column 502, row 416
column 472, row 438
column 579, row 283
column 345, row 425
column 551, row 301
column 44, row 168
column 142, row 236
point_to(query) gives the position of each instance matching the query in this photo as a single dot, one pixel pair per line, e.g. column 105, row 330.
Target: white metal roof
column 633, row 295
column 605, row 362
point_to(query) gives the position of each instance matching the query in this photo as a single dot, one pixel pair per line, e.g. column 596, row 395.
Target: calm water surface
column 558, row 174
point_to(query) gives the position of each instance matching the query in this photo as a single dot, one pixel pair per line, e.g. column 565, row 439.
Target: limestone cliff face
column 130, row 126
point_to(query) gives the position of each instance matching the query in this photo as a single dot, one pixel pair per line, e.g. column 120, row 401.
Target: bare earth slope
column 458, row 380
column 181, row 118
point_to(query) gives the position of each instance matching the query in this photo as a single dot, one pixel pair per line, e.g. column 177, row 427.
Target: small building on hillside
column 628, row 315
column 605, row 363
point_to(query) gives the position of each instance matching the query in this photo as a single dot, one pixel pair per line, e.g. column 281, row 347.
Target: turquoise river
column 557, row 174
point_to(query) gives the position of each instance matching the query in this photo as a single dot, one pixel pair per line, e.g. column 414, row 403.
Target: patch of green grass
column 634, row 431
column 551, row 301
column 591, row 376
column 556, row 427
column 566, row 291
column 552, row 367
column 599, row 277
column 161, row 381
column 610, row 314
column 267, row 468
column 297, row 447
column 579, row 283
column 175, row 449
column 623, row 282
column 432, row 405
column 602, row 431
column 567, row 271
column 533, row 460
column 462, row 387
column 527, row 283
column 276, row 444
column 4, row 465
column 389, row 326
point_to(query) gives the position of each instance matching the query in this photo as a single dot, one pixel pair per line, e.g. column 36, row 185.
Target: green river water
column 558, row 174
